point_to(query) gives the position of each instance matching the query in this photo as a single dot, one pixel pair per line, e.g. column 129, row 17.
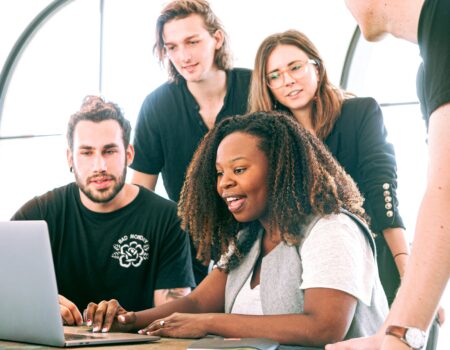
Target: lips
column 235, row 203
column 101, row 182
column 293, row 93
column 190, row 68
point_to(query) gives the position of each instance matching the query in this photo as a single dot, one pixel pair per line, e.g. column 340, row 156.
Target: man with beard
column 110, row 239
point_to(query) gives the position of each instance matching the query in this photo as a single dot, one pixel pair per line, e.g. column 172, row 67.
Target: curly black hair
column 304, row 180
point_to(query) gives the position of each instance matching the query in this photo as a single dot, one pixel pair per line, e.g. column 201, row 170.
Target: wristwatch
column 413, row 337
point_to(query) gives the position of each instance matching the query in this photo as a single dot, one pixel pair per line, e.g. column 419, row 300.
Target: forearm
column 163, row 296
column 429, row 266
column 286, row 329
column 185, row 305
column 396, row 241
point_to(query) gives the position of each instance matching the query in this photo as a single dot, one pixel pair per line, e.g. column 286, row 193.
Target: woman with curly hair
column 291, row 76
column 297, row 262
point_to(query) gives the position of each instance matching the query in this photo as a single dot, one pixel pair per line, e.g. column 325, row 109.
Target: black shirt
column 170, row 127
column 125, row 254
column 433, row 79
column 358, row 142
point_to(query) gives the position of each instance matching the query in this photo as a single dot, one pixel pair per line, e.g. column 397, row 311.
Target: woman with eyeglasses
column 289, row 75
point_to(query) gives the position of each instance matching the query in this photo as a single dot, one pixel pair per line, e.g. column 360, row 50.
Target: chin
column 373, row 35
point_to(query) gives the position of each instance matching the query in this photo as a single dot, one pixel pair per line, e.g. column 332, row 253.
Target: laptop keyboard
column 73, row 336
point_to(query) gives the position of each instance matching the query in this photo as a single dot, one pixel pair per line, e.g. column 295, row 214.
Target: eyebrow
column 111, row 145
column 195, row 36
column 235, row 159
column 107, row 146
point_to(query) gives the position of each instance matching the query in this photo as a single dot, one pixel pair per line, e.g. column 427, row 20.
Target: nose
column 99, row 163
column 288, row 80
column 225, row 182
column 185, row 54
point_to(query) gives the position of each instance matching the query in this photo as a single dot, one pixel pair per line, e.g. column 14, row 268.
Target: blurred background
column 80, row 47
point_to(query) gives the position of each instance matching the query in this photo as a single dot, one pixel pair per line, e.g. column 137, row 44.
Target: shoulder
column 51, row 201
column 359, row 104
column 337, row 230
column 155, row 203
column 359, row 111
column 339, row 221
column 57, row 195
column 164, row 91
column 337, row 233
column 241, row 75
column 163, row 104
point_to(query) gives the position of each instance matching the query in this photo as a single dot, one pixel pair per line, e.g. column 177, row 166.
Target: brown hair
column 304, row 179
column 179, row 9
column 96, row 109
column 328, row 102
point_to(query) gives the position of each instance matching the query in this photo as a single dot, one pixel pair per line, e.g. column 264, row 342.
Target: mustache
column 97, row 177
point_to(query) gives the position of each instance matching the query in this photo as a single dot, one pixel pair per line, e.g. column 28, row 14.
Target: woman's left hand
column 178, row 325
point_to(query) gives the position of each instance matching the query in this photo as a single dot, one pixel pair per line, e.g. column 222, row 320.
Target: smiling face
column 190, row 47
column 296, row 93
column 242, row 172
column 99, row 160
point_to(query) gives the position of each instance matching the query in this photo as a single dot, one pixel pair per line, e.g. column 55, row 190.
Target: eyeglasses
column 296, row 70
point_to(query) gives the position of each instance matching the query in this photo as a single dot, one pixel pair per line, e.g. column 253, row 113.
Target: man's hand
column 103, row 317
column 70, row 314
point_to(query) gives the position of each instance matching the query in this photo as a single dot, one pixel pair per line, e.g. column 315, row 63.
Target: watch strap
column 397, row 331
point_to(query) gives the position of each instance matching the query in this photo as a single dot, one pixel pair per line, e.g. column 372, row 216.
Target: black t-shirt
column 170, row 127
column 433, row 78
column 125, row 254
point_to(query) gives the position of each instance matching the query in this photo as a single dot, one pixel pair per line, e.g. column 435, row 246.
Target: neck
column 213, row 87
column 126, row 195
column 304, row 118
column 402, row 18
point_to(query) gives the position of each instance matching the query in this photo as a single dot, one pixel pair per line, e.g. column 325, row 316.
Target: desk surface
column 163, row 344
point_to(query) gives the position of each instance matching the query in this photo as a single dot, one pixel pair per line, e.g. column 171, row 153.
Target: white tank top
column 248, row 300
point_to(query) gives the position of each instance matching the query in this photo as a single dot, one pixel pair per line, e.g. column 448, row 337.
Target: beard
column 104, row 195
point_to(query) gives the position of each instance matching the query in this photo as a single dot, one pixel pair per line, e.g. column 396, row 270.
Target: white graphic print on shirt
column 131, row 250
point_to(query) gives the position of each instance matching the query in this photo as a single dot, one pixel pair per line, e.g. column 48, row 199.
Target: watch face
column 415, row 338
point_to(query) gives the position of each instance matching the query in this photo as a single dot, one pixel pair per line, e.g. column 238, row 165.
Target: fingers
column 89, row 313
column 157, row 327
column 69, row 312
column 111, row 312
column 104, row 315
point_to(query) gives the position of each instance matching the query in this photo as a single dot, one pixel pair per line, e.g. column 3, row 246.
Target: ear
column 219, row 37
column 69, row 156
column 130, row 154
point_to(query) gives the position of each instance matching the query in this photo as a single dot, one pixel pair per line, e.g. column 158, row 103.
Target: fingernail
column 121, row 318
column 104, row 330
column 140, row 331
column 96, row 329
column 89, row 322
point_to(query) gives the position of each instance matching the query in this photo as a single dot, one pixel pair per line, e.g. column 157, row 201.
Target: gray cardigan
column 280, row 287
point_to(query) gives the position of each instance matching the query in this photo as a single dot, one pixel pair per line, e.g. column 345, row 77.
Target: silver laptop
column 29, row 307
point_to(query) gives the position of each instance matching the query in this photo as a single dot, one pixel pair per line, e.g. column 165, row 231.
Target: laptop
column 29, row 307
